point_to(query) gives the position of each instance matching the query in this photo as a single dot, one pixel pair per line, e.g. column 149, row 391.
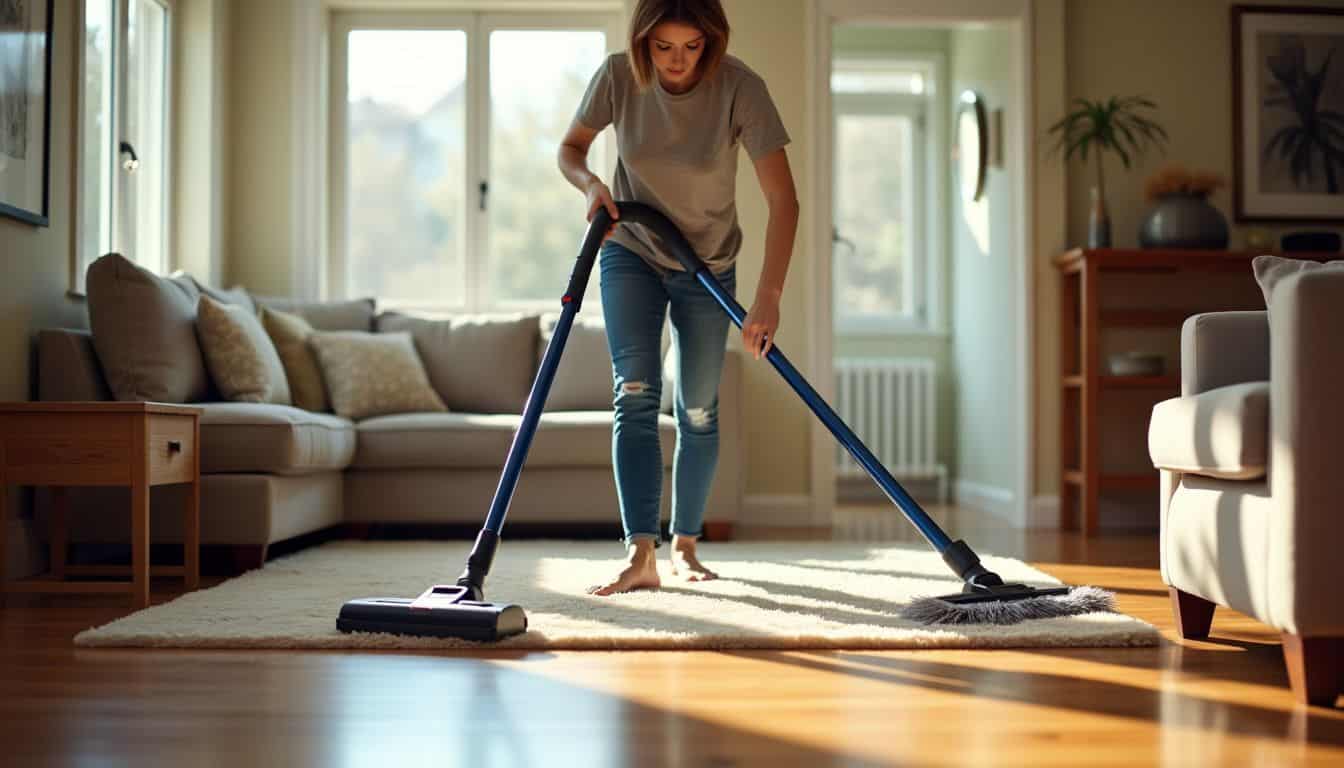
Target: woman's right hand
column 599, row 196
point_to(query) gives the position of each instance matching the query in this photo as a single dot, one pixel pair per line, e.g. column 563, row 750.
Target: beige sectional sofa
column 272, row 472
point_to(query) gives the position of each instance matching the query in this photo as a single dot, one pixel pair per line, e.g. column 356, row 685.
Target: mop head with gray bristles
column 1078, row 600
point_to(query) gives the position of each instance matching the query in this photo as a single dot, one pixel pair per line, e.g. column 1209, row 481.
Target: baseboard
column 990, row 499
column 1043, row 511
column 776, row 510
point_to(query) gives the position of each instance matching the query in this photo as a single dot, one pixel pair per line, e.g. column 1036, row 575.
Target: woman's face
column 676, row 48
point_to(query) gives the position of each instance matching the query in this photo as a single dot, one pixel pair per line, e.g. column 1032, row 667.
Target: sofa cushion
column 144, row 329
column 290, row 333
column 352, row 315
column 373, row 374
column 480, row 440
column 279, row 439
column 240, row 356
column 584, row 379
column 1222, row 433
column 236, row 295
column 482, row 363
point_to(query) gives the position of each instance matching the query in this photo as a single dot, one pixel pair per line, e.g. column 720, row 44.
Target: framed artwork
column 1288, row 113
column 25, row 109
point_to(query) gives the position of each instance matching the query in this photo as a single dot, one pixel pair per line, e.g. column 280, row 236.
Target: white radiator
column 891, row 403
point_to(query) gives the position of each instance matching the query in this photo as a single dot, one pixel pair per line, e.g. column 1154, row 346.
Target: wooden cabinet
column 1085, row 386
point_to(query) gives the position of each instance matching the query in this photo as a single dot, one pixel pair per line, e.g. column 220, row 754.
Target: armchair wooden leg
column 1194, row 614
column 1315, row 668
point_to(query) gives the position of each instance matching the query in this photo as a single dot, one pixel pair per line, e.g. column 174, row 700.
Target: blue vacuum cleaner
column 461, row 611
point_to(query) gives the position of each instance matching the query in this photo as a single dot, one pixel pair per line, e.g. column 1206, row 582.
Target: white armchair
column 1252, row 465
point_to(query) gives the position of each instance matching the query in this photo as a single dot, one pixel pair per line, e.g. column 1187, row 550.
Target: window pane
column 536, row 219
column 873, row 186
column 146, row 92
column 95, row 185
column 406, row 134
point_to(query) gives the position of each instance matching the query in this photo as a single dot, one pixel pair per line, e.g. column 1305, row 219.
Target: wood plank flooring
column 1220, row 702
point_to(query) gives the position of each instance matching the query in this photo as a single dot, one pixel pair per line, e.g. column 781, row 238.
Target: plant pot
column 1183, row 221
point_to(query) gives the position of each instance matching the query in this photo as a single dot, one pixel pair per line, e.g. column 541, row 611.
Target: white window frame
column 122, row 218
column 926, row 259
column 477, row 25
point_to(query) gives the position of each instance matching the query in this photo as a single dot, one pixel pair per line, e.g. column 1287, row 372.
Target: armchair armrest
column 1306, row 407
column 1221, row 348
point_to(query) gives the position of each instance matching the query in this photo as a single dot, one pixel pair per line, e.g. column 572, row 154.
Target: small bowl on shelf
column 1136, row 363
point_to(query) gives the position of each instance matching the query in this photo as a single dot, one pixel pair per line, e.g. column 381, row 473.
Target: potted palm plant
column 1119, row 125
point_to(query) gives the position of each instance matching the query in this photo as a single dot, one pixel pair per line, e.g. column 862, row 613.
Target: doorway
column 923, row 295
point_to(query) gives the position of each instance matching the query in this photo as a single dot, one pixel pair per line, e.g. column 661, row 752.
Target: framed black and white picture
column 1288, row 113
column 25, row 109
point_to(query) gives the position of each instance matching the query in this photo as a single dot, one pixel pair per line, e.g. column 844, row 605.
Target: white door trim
column 1020, row 125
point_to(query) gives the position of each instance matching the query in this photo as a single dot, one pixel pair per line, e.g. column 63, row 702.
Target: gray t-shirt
column 678, row 152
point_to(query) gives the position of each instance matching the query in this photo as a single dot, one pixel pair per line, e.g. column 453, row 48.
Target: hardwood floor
column 1220, row 701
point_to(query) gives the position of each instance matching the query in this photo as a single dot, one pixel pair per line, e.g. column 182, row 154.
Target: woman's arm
column 572, row 158
column 772, row 170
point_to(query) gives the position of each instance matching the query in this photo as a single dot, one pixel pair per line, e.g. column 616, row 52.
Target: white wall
column 984, row 245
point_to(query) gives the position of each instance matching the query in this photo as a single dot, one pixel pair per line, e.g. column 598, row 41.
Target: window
column 122, row 197
column 882, row 246
column 445, row 129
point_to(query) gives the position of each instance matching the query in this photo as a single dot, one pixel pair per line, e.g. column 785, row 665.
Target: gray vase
column 1183, row 221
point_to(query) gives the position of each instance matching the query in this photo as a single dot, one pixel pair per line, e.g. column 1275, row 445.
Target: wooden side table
column 134, row 444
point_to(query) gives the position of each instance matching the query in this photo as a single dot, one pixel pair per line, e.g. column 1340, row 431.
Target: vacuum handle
column 630, row 213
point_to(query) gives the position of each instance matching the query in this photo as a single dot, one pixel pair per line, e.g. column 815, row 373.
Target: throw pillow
column 373, row 374
column 1270, row 269
column 241, row 358
column 290, row 335
column 144, row 330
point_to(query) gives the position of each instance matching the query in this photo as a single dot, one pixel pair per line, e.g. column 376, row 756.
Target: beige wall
column 37, row 270
column 769, row 36
column 260, row 147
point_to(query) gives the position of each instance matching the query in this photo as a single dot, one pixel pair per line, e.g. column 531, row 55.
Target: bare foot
column 686, row 564
column 640, row 573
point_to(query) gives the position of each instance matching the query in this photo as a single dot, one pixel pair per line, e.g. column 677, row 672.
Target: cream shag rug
column 782, row 595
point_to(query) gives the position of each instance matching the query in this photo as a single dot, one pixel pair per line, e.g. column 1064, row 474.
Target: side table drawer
column 84, row 448
column 172, row 449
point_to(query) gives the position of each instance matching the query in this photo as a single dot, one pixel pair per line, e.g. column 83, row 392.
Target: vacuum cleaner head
column 443, row 610
column 1008, row 604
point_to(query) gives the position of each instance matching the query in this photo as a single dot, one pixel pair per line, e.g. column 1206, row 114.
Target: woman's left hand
column 758, row 327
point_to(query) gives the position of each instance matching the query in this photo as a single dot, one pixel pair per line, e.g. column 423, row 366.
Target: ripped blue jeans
column 636, row 297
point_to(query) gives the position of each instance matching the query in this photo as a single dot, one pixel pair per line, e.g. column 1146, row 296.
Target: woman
column 679, row 107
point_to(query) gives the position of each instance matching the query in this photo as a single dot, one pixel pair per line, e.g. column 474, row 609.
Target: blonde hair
column 705, row 15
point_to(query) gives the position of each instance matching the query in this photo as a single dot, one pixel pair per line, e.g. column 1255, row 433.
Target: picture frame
column 25, row 110
column 1282, row 69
